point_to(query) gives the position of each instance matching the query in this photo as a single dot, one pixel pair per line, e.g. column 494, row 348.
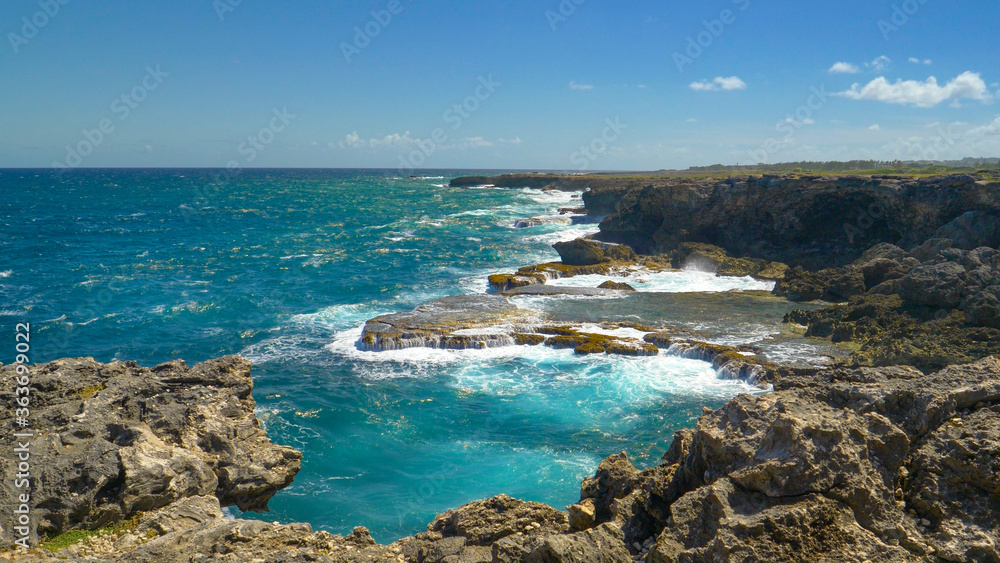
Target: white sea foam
column 6, row 274
column 400, row 236
column 518, row 370
column 565, row 233
column 500, row 210
column 552, row 198
column 618, row 332
column 682, row 281
column 635, row 380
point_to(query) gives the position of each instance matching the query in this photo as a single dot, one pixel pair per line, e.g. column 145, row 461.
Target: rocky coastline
column 889, row 454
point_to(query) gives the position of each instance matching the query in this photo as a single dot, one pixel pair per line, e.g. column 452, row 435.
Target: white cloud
column 968, row 85
column 719, row 83
column 917, row 61
column 880, row 64
column 792, row 121
column 844, row 68
column 692, row 120
column 393, row 140
column 574, row 86
column 641, row 86
column 354, row 141
column 874, row 127
column 406, row 142
column 475, row 142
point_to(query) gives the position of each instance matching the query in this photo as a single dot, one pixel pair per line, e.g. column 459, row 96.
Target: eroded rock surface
column 113, row 440
column 880, row 464
column 460, row 322
column 931, row 307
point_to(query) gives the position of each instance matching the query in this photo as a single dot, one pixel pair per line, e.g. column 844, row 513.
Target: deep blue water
column 284, row 267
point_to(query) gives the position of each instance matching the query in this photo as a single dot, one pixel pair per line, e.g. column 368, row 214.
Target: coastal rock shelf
column 476, row 322
column 883, row 464
column 455, row 323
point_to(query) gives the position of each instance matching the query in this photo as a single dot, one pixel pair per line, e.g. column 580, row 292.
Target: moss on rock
column 524, row 339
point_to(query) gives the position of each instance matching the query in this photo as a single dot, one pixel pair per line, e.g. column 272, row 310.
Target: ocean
column 284, row 267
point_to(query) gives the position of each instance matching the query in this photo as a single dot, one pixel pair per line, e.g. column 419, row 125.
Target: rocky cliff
column 115, row 440
column 883, row 464
column 911, row 262
column 814, row 222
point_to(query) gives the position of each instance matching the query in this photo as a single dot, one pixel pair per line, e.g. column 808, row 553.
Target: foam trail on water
column 681, row 281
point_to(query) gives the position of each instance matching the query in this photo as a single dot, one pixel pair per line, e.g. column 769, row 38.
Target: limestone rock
column 115, row 439
column 484, row 522
column 460, row 322
column 952, row 485
column 582, row 515
column 603, row 544
column 972, row 230
column 585, row 252
column 617, row 286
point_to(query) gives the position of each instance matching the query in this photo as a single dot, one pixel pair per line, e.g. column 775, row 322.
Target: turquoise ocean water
column 284, row 267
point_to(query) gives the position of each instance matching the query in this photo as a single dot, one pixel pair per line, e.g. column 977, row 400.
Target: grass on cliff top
column 73, row 537
column 909, row 171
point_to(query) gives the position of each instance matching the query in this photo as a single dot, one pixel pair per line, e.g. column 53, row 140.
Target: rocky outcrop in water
column 457, row 323
column 617, row 286
column 491, row 321
column 585, row 252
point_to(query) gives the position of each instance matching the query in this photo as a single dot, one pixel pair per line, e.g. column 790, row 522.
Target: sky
column 513, row 84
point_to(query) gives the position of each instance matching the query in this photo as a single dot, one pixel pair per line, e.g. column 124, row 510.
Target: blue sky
column 540, row 85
